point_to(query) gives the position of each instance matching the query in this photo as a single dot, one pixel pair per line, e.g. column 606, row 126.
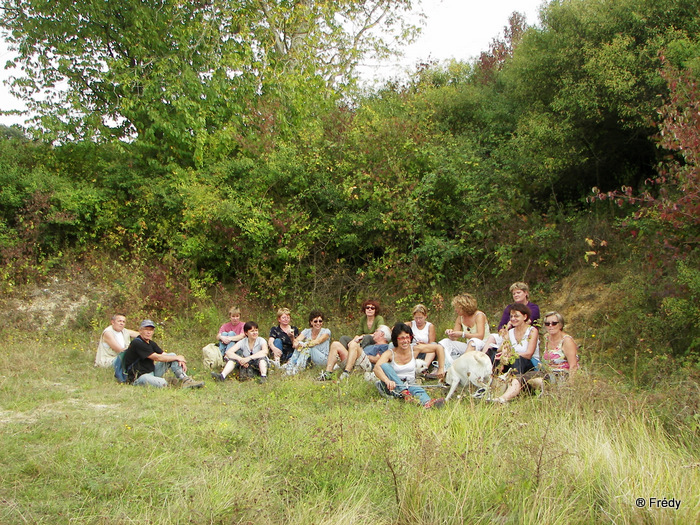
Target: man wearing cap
column 147, row 363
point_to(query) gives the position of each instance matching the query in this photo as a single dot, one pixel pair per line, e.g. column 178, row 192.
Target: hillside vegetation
column 209, row 154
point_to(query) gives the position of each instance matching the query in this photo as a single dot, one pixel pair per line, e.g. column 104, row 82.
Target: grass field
column 79, row 448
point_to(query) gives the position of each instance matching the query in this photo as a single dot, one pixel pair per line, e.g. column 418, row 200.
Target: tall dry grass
column 79, row 448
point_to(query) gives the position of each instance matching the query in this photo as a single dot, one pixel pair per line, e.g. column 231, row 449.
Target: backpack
column 121, row 373
column 211, row 357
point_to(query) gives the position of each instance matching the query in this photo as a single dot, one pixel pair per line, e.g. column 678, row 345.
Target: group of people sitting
column 392, row 357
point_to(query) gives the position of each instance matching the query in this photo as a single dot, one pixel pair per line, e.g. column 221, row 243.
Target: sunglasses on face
column 317, row 321
column 370, row 307
column 551, row 323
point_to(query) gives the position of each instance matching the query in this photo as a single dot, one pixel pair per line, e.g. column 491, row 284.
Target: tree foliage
column 170, row 74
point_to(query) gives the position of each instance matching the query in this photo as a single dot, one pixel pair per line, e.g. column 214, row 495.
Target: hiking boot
column 188, row 382
column 383, row 390
column 435, row 403
column 219, row 378
column 325, row 376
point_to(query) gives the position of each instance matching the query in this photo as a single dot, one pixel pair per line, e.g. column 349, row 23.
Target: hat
column 147, row 322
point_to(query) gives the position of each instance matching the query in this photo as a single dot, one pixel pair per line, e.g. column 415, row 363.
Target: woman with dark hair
column 396, row 370
column 369, row 322
column 249, row 353
column 313, row 342
column 521, row 341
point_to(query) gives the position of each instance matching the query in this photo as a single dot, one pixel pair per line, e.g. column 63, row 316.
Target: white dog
column 471, row 366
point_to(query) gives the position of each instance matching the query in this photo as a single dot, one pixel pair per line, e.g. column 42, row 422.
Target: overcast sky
column 458, row 29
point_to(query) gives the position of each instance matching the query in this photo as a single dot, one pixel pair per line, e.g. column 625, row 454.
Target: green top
column 362, row 329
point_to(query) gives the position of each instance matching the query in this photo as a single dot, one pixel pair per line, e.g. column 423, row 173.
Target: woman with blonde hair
column 423, row 333
column 282, row 340
column 232, row 332
column 521, row 295
column 470, row 329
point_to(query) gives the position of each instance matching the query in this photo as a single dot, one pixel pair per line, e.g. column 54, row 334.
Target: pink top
column 230, row 327
column 555, row 357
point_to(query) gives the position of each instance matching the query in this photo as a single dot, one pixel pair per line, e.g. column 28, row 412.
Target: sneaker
column 344, row 375
column 262, row 380
column 405, row 395
column 383, row 390
column 218, row 377
column 498, row 400
column 479, row 394
column 188, row 382
column 435, row 403
column 325, row 376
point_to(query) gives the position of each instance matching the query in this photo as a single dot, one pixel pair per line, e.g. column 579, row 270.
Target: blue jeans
column 222, row 346
column 415, row 390
column 156, row 378
column 318, row 358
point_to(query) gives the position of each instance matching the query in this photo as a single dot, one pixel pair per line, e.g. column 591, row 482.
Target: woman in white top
column 396, row 370
column 470, row 329
column 423, row 333
column 523, row 339
column 423, row 330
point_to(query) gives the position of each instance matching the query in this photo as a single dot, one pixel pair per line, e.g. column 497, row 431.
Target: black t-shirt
column 287, row 345
column 138, row 353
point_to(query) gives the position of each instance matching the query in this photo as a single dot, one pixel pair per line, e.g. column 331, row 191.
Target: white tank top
column 105, row 355
column 406, row 372
column 520, row 347
column 421, row 336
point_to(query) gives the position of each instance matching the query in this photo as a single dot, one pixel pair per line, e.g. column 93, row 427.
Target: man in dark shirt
column 146, row 362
